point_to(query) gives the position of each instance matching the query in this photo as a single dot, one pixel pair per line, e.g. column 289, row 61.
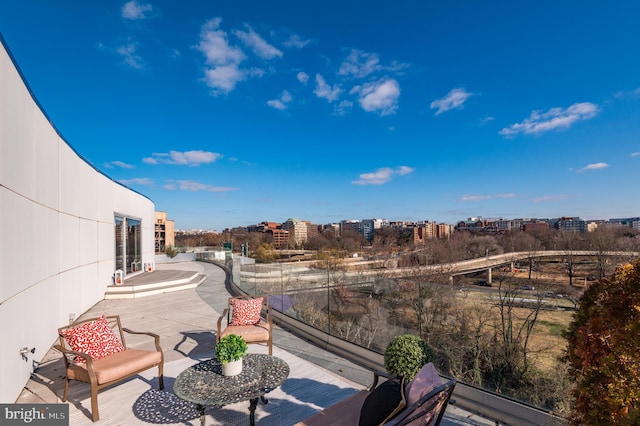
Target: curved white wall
column 57, row 239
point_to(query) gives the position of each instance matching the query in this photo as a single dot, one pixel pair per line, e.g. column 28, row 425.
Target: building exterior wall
column 313, row 230
column 57, row 226
column 297, row 231
column 571, row 224
column 280, row 237
column 164, row 232
column 444, row 230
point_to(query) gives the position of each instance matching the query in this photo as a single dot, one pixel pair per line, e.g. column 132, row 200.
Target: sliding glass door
column 128, row 239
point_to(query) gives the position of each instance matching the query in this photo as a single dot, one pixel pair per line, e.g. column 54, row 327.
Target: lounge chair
column 94, row 351
column 428, row 409
column 243, row 317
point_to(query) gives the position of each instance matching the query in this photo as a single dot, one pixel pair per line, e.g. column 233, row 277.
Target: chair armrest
column 66, row 352
column 376, row 377
column 155, row 336
column 224, row 314
column 88, row 360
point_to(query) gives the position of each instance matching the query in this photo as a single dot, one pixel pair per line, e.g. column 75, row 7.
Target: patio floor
column 185, row 321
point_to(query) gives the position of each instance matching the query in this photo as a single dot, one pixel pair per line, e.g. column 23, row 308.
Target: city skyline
column 228, row 115
column 626, row 221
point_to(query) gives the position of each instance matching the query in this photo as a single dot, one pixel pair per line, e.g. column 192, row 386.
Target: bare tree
column 602, row 240
column 569, row 242
column 525, row 242
column 484, row 245
column 517, row 319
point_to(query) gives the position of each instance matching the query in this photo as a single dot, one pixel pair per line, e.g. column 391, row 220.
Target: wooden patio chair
column 429, row 409
column 243, row 316
column 94, row 351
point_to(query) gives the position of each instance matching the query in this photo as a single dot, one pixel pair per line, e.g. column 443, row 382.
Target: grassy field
column 551, row 283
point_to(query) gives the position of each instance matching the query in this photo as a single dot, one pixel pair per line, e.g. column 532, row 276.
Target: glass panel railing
column 477, row 334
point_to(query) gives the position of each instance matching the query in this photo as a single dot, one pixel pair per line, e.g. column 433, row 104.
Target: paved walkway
column 186, row 322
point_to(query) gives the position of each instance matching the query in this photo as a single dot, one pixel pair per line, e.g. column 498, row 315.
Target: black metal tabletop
column 203, row 383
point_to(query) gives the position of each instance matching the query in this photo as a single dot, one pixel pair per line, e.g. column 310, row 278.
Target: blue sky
column 232, row 113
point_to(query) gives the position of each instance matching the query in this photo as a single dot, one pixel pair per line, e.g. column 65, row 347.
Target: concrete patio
column 185, row 321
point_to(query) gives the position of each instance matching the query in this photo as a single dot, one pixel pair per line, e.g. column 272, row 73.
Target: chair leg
column 94, row 404
column 160, row 377
column 66, row 389
column 270, row 344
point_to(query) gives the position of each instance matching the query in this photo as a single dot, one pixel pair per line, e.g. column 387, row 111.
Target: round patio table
column 204, row 385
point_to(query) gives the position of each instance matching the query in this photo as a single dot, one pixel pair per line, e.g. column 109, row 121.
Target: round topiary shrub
column 405, row 355
column 230, row 348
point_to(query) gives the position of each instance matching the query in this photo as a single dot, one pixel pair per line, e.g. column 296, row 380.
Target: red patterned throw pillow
column 95, row 338
column 246, row 311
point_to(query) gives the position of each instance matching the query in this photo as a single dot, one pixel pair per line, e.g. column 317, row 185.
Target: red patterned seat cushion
column 246, row 311
column 95, row 338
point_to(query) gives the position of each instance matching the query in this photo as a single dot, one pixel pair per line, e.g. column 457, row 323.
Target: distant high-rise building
column 534, row 226
column 626, row 221
column 297, row 231
column 164, row 231
column 365, row 227
column 280, row 237
column 571, row 224
column 313, row 230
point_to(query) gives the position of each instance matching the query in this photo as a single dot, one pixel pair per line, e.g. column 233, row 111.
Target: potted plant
column 405, row 355
column 229, row 351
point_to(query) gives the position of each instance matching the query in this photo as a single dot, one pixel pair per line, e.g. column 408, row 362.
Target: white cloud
column 296, row 41
column 343, row 107
column 187, row 158
column 550, row 198
column 135, row 11
column 635, row 154
column 360, row 64
column 594, row 166
column 404, row 170
column 326, row 91
column 259, row 46
column 302, row 77
column 454, row 99
column 119, row 164
column 475, row 197
column 381, row 176
column 469, row 197
column 223, row 59
column 277, row 104
column 555, row 118
column 281, row 102
column 137, row 181
column 223, row 78
column 189, row 185
column 130, row 56
column 381, row 96
column 628, row 93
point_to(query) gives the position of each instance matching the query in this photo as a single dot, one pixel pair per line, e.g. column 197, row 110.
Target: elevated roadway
column 304, row 274
column 489, row 262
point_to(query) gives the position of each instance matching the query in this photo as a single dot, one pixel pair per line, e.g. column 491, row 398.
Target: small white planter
column 232, row 368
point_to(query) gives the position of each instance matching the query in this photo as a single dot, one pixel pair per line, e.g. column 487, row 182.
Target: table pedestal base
column 253, row 403
column 202, row 416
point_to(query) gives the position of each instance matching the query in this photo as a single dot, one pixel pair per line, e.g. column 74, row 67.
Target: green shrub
column 171, row 251
column 405, row 355
column 231, row 348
